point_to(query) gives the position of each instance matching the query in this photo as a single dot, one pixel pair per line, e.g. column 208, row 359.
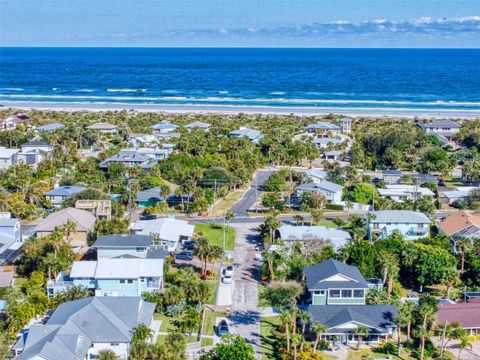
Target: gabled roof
column 118, row 268
column 392, row 172
column 83, row 219
column 326, row 141
column 378, row 318
column 251, row 134
column 197, row 124
column 318, row 274
column 102, row 126
column 467, row 314
column 6, row 153
column 75, row 325
column 442, row 123
column 324, row 185
column 315, row 173
column 36, row 143
column 459, row 221
column 65, row 190
column 167, row 229
column 123, row 241
column 164, row 125
column 323, row 126
column 400, row 216
column 153, row 194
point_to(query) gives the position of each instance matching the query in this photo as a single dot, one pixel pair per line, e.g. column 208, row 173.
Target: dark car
column 222, row 328
column 184, row 255
column 189, row 245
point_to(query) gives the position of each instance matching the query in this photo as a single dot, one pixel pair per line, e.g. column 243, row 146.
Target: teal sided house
column 337, row 293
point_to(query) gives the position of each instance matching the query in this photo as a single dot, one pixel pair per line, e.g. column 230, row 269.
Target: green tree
column 230, row 347
column 106, row 354
column 361, row 332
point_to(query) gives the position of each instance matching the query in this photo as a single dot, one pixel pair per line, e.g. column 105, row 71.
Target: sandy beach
column 226, row 109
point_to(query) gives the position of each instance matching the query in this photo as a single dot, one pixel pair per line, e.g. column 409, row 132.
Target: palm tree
column 318, row 329
column 142, row 333
column 203, row 252
column 422, row 332
column 304, row 317
column 361, row 332
column 463, row 344
column 106, row 354
column 463, row 245
column 272, row 224
column 269, row 257
column 69, row 229
column 406, row 314
column 286, row 317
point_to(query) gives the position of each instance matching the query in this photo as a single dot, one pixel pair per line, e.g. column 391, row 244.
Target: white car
column 258, row 257
column 227, row 279
column 228, row 271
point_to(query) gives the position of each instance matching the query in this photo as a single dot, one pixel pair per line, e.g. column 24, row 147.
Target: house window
column 114, row 344
column 319, row 292
column 122, row 281
column 358, row 293
column 139, row 249
column 142, row 280
column 375, row 225
column 389, row 223
column 130, row 281
column 346, row 293
column 335, row 293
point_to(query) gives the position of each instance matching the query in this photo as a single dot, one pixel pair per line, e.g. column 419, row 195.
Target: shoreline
column 248, row 109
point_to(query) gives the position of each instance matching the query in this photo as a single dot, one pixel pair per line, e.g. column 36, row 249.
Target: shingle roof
column 324, row 185
column 315, row 173
column 251, row 134
column 102, row 126
column 51, row 127
column 326, row 141
column 317, row 274
column 197, row 124
column 65, row 190
column 376, row 317
column 337, row 237
column 459, row 221
column 467, row 314
column 6, row 153
column 400, row 216
column 164, row 125
column 83, row 219
column 36, row 143
column 442, row 123
column 123, row 240
column 392, row 172
column 75, row 325
column 153, row 195
column 323, row 126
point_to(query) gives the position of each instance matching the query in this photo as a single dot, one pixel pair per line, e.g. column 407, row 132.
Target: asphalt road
column 245, row 312
column 248, row 200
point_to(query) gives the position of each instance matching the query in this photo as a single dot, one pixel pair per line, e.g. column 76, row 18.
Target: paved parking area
column 224, row 296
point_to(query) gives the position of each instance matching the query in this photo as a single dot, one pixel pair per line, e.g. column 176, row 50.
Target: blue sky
column 273, row 23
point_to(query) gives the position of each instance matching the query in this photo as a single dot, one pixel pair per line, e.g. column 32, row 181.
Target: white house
column 200, row 125
column 34, row 152
column 315, row 175
column 103, row 128
column 291, row 234
column 331, row 191
column 404, row 192
column 80, row 329
column 10, row 238
column 324, row 142
column 165, row 231
column 164, row 127
column 323, row 128
column 251, row 134
column 129, row 158
column 411, row 224
column 444, row 127
column 8, row 157
column 11, row 122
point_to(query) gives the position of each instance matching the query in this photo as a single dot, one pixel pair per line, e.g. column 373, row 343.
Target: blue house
column 337, row 293
column 411, row 224
column 60, row 193
column 331, row 191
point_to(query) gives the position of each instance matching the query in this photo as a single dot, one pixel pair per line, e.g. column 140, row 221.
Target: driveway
column 245, row 315
column 240, row 209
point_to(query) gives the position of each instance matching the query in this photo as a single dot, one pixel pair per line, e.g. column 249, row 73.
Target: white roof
column 7, row 153
column 403, row 190
column 117, row 268
column 399, row 216
column 337, row 237
column 167, row 229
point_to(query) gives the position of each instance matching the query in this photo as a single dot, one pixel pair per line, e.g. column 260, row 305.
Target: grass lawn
column 363, row 354
column 452, row 182
column 267, row 327
column 206, row 342
column 213, row 294
column 214, row 234
column 19, row 281
column 227, row 202
column 209, row 321
column 166, row 322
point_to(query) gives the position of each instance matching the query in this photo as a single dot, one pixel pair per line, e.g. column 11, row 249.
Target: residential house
column 461, row 225
column 50, row 127
column 337, row 293
column 197, row 125
column 7, row 278
column 291, row 234
column 404, row 192
column 80, row 329
column 411, row 224
column 164, row 127
column 34, row 152
column 11, row 122
column 8, row 157
column 315, row 175
column 143, row 140
column 128, row 246
column 167, row 232
column 457, row 195
column 323, row 129
column 251, row 134
column 84, row 223
column 391, row 176
column 129, row 158
column 60, row 193
column 155, row 153
column 99, row 208
column 331, row 191
column 336, row 155
column 444, row 127
column 103, row 128
column 345, row 125
column 154, row 195
column 466, row 313
column 324, row 142
column 11, row 241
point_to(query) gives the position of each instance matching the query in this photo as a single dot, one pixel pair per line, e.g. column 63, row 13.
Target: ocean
column 418, row 79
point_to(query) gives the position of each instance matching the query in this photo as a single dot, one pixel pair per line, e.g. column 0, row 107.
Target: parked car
column 222, row 328
column 227, row 279
column 228, row 271
column 189, row 245
column 184, row 255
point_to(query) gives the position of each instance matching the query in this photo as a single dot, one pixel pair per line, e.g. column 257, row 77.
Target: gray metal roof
column 400, row 216
column 376, row 317
column 442, row 123
column 164, row 125
column 153, row 194
column 75, row 325
column 337, row 237
column 51, row 127
column 392, row 172
column 317, row 274
column 123, row 240
column 36, row 143
column 197, row 124
column 323, row 126
column 251, row 134
column 65, row 190
column 324, row 185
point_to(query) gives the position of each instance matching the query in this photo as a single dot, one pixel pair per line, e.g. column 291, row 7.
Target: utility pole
column 224, row 229
column 129, row 188
column 256, row 193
